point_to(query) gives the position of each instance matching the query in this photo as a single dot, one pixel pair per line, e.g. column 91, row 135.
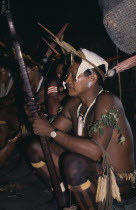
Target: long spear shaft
column 33, row 108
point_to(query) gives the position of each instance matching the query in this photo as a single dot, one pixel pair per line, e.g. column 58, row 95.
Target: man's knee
column 76, row 168
column 34, row 150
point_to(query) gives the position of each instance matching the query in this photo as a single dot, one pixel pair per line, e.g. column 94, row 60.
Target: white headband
column 93, row 58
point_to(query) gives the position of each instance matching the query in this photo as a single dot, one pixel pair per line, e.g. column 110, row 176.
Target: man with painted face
column 92, row 143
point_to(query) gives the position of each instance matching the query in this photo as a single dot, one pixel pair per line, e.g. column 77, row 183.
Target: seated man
column 91, row 138
column 37, row 85
column 36, row 80
column 6, row 80
column 17, row 179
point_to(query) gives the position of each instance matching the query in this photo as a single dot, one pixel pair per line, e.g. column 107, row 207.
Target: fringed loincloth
column 111, row 184
column 127, row 176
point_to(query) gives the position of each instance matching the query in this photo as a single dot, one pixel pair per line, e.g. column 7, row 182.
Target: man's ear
column 35, row 68
column 93, row 77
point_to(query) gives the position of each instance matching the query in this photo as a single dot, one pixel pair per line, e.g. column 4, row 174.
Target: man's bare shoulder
column 107, row 100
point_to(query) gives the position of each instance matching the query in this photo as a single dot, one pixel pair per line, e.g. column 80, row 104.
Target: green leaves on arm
column 109, row 119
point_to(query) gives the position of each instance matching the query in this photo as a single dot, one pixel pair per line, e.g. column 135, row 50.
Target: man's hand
column 14, row 140
column 8, row 149
column 41, row 127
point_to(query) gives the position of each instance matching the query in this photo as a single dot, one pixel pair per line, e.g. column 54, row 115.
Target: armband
column 52, row 89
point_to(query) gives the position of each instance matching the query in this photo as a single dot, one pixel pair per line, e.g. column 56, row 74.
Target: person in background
column 55, row 92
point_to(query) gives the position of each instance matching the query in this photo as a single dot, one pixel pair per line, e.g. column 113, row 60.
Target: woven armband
column 52, row 89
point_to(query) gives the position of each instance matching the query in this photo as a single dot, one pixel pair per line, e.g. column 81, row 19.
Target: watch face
column 53, row 134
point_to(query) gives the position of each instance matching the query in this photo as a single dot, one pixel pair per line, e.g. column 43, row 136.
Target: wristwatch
column 53, row 133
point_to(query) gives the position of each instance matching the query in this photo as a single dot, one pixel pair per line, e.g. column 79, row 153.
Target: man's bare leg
column 37, row 160
column 81, row 176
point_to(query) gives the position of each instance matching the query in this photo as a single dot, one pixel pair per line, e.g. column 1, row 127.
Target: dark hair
column 31, row 64
column 77, row 59
column 93, row 70
column 5, row 62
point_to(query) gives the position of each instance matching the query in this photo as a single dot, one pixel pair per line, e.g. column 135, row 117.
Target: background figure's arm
column 53, row 102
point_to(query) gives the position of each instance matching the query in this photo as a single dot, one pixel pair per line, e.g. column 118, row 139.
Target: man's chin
column 72, row 93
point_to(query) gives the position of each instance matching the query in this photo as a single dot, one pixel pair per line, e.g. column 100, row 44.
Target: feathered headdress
column 89, row 59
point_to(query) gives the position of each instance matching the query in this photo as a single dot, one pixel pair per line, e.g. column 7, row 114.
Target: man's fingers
column 16, row 137
column 35, row 123
column 36, row 131
column 39, row 121
column 35, row 118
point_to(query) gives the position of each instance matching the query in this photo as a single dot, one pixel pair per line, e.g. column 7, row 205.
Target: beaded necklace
column 81, row 118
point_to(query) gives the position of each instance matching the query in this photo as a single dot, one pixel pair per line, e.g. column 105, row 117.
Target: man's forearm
column 78, row 144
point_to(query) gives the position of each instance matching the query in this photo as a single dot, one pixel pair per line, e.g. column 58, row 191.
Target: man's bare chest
column 87, row 122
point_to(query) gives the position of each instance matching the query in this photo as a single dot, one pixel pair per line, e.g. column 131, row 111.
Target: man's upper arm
column 101, row 131
column 64, row 121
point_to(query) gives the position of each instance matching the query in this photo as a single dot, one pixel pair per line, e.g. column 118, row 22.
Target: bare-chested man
column 8, row 109
column 91, row 137
column 16, row 176
column 6, row 80
column 34, row 71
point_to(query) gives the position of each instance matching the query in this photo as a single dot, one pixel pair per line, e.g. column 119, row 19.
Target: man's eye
column 66, row 76
column 74, row 76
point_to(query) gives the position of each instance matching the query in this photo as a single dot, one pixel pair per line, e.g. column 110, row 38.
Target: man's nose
column 68, row 79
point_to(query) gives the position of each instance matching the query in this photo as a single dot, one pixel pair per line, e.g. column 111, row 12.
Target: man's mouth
column 69, row 87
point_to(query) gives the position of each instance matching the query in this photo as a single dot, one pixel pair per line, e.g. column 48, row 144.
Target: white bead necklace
column 81, row 118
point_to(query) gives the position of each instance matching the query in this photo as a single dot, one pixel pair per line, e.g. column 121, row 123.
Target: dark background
column 84, row 16
column 85, row 30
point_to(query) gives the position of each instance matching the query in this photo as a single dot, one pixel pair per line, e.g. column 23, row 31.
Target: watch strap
column 55, row 129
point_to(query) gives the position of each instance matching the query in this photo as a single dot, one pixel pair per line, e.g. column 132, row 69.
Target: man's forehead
column 73, row 67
